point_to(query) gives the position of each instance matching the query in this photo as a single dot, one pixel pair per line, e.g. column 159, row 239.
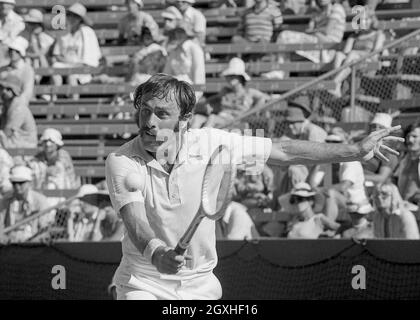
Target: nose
column 152, row 121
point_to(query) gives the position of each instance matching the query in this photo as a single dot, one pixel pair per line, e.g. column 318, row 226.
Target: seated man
column 11, row 24
column 132, row 24
column 305, row 224
column 22, row 203
column 360, row 227
column 408, row 172
column 393, row 218
column 40, row 42
column 194, row 19
column 259, row 23
column 20, row 68
column 326, row 26
column 379, row 171
column 232, row 101
column 52, row 166
column 77, row 48
column 17, row 124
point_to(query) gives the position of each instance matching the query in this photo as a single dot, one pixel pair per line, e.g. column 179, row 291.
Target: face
column 34, row 28
column 20, row 189
column 169, row 24
column 323, row 3
column 300, row 204
column 133, row 7
column 5, row 9
column 383, row 198
column 295, row 127
column 73, row 21
column 49, row 147
column 413, row 140
column 14, row 56
column 182, row 5
column 158, row 120
column 6, row 93
column 88, row 209
column 233, row 81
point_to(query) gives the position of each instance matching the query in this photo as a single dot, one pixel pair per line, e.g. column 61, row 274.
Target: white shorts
column 203, row 287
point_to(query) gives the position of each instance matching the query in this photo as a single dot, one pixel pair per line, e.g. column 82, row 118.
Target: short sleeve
column 250, row 152
column 117, row 168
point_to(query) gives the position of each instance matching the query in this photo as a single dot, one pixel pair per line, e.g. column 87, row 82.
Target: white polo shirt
column 172, row 200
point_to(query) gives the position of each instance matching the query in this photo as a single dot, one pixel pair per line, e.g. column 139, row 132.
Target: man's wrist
column 151, row 247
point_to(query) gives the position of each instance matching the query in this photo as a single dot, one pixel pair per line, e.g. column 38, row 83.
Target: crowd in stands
column 377, row 199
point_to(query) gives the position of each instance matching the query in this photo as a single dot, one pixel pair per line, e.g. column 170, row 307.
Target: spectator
column 22, row 203
column 305, row 223
column 185, row 57
column 376, row 170
column 17, row 124
column 40, row 42
column 259, row 23
column 6, row 163
column 350, row 186
column 236, row 224
column 111, row 226
column 357, row 46
column 408, row 172
column 300, row 125
column 11, row 24
column 393, row 219
column 233, row 100
column 84, row 225
column 131, row 26
column 149, row 60
column 360, row 227
column 194, row 19
column 52, row 166
column 20, row 68
column 77, row 48
column 327, row 25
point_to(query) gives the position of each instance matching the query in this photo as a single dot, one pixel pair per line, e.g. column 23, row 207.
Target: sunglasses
column 298, row 199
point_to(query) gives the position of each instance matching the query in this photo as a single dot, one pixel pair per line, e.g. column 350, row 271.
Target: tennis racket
column 216, row 193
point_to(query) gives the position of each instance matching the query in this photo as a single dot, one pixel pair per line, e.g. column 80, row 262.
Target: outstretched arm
column 308, row 152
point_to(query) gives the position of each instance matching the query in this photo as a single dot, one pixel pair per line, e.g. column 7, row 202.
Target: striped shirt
column 259, row 25
column 331, row 22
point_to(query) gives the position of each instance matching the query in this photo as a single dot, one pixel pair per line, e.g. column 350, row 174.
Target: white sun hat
column 236, row 67
column 172, row 13
column 8, row 1
column 361, row 208
column 383, row 119
column 19, row 44
column 302, row 189
column 20, row 174
column 54, row 135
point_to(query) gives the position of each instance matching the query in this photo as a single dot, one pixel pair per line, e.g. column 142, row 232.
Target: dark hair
column 240, row 78
column 411, row 127
column 162, row 86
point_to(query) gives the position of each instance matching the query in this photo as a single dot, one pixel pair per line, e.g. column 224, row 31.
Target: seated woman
column 232, row 101
column 185, row 56
column 305, row 224
column 77, row 48
column 366, row 40
column 393, row 219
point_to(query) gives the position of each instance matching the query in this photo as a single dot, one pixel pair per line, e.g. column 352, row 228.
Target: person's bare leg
column 343, row 74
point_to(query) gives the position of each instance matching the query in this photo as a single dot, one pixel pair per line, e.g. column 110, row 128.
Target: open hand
column 373, row 145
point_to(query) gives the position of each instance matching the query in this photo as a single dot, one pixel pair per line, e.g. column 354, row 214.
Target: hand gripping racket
column 216, row 193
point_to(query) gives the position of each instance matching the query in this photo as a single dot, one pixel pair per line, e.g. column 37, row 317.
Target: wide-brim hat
column 8, row 1
column 302, row 189
column 172, row 13
column 54, row 135
column 12, row 82
column 189, row 1
column 383, row 119
column 34, row 16
column 90, row 194
column 20, row 174
column 361, row 208
column 295, row 115
column 19, row 44
column 80, row 10
column 236, row 67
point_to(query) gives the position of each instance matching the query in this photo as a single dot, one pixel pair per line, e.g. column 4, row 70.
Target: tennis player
column 169, row 160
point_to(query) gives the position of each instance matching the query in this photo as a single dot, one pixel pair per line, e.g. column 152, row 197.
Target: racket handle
column 180, row 250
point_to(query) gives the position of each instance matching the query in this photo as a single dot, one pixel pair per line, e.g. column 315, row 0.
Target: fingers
column 171, row 262
column 393, row 138
column 390, row 150
column 386, row 132
column 381, row 156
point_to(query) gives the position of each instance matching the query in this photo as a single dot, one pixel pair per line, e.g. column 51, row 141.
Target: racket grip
column 179, row 250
